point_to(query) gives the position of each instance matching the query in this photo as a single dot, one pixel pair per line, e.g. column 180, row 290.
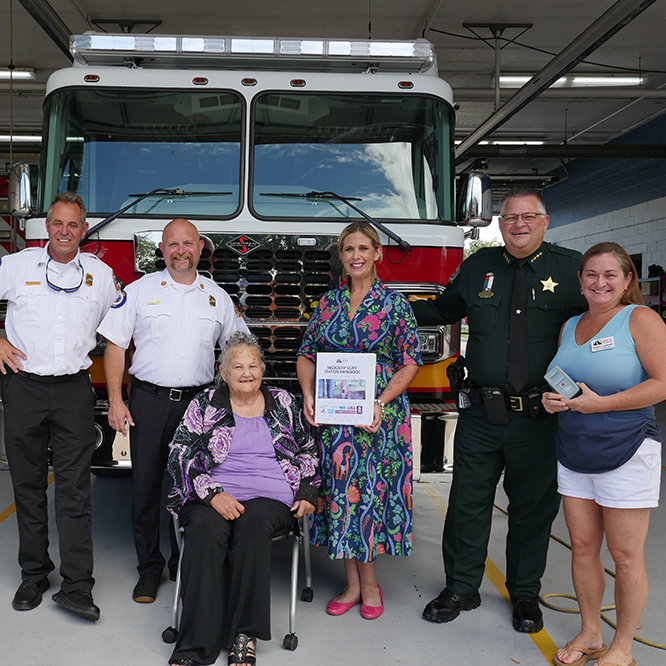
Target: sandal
column 589, row 654
column 242, row 652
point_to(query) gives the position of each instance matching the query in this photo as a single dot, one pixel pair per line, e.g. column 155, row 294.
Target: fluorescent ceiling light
column 576, row 80
column 17, row 74
column 507, row 142
column 21, row 138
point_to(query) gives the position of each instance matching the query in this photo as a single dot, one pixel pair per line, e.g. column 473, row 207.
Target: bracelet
column 381, row 404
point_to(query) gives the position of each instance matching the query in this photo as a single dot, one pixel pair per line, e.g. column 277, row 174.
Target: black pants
column 226, row 573
column 37, row 415
column 525, row 451
column 156, row 419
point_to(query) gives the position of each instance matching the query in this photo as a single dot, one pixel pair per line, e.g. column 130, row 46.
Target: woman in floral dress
column 366, row 508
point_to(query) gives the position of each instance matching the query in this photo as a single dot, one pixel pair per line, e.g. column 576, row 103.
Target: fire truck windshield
column 106, row 144
column 393, row 152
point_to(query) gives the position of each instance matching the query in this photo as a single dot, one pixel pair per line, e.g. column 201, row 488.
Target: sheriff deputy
column 516, row 298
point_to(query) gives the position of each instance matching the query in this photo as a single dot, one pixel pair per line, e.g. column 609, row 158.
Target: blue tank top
column 596, row 443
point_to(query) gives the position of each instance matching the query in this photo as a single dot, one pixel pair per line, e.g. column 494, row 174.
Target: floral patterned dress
column 366, row 504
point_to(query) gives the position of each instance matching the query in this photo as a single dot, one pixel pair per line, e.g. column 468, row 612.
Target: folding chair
column 299, row 532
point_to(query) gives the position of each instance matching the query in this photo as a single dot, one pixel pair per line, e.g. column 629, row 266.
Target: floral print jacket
column 204, row 436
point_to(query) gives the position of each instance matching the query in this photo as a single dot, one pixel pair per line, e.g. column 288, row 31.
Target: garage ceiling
column 530, row 34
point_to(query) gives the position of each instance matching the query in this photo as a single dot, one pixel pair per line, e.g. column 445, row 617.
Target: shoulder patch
column 121, row 299
column 455, row 274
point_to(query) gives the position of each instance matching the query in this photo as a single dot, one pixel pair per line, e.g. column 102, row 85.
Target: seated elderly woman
column 244, row 465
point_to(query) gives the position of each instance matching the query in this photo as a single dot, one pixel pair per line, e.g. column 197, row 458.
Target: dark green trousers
column 525, row 450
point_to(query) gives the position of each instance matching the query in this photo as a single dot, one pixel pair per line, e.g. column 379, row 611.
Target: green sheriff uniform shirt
column 481, row 291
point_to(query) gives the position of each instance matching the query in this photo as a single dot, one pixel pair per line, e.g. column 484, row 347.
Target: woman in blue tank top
column 609, row 447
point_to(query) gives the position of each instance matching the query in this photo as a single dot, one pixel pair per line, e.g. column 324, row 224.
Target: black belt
column 525, row 403
column 50, row 379
column 175, row 394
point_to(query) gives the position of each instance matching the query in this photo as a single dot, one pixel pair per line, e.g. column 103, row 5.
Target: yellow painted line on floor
column 542, row 640
column 10, row 509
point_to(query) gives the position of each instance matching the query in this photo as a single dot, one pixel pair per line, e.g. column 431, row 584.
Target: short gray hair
column 521, row 193
column 69, row 198
column 235, row 340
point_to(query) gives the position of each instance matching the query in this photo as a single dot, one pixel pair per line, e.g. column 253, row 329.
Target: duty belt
column 175, row 394
column 528, row 403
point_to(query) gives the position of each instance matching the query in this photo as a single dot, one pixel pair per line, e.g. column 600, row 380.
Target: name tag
column 32, row 284
column 153, row 302
column 601, row 344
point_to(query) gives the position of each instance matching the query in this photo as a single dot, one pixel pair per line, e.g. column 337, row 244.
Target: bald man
column 175, row 318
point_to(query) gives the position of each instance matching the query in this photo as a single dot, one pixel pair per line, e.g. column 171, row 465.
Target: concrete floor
column 129, row 633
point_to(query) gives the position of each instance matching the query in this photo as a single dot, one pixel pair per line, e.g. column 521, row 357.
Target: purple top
column 251, row 468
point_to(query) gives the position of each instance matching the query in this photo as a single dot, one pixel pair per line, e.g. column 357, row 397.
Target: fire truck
column 270, row 146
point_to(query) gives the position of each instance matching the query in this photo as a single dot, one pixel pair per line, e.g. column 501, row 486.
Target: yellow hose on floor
column 562, row 595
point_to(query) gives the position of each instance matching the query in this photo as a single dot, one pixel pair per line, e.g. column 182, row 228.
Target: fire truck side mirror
column 19, row 194
column 474, row 205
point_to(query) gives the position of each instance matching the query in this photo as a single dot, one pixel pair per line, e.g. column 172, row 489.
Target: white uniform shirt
column 174, row 326
column 54, row 329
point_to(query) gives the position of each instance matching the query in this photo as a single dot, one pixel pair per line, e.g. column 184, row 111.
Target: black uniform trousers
column 156, row 419
column 525, row 450
column 39, row 414
column 226, row 572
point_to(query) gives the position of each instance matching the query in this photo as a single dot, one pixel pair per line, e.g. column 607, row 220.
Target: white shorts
column 634, row 485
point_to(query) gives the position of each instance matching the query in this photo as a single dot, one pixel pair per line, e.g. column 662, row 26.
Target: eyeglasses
column 528, row 218
column 55, row 287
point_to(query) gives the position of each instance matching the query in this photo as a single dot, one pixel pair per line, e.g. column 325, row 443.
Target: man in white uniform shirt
column 175, row 318
column 56, row 298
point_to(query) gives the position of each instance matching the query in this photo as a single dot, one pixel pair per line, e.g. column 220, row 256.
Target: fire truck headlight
column 435, row 343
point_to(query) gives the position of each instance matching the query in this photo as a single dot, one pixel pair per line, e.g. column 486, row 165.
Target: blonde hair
column 365, row 228
column 633, row 292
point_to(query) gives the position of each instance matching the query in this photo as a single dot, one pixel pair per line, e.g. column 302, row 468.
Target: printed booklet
column 345, row 388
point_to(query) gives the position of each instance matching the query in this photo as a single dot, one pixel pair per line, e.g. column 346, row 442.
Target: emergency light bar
column 260, row 52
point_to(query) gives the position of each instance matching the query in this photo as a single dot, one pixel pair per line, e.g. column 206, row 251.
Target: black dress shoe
column 145, row 590
column 79, row 602
column 448, row 605
column 29, row 594
column 527, row 616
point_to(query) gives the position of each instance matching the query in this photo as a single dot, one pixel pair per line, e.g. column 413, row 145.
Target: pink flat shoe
column 338, row 608
column 373, row 612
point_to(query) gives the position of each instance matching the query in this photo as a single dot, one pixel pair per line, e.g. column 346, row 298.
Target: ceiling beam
column 618, row 151
column 50, row 22
column 607, row 25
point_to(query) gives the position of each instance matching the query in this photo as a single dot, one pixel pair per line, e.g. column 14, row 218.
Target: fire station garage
column 255, row 120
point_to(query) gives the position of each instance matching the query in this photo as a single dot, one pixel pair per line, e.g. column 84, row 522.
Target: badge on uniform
column 201, row 285
column 601, row 344
column 455, row 274
column 211, row 300
column 549, row 284
column 163, row 283
column 33, row 283
column 488, row 286
column 153, row 302
column 89, row 279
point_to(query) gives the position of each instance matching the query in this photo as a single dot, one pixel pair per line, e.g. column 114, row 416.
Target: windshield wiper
column 320, row 196
column 140, row 197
